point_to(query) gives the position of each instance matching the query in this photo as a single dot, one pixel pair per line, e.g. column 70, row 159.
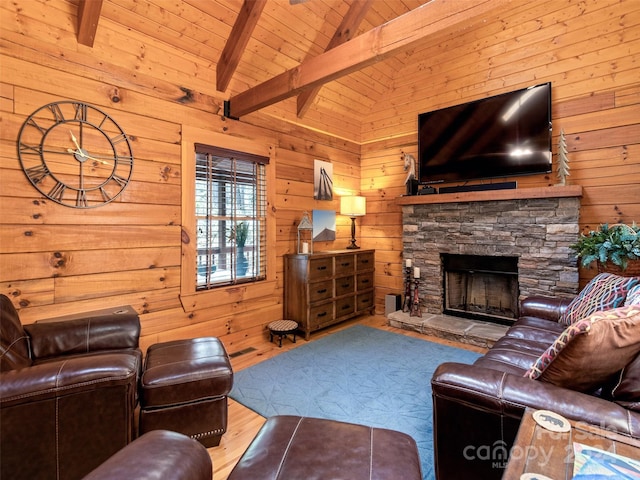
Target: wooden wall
column 588, row 50
column 56, row 260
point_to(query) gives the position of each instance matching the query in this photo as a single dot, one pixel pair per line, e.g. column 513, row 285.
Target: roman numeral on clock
column 38, row 173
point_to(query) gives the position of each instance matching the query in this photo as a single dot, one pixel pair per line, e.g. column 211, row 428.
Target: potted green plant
column 239, row 234
column 615, row 248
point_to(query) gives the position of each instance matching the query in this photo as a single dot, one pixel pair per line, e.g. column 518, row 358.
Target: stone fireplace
column 529, row 228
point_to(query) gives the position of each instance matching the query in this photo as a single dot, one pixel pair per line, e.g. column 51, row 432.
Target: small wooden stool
column 282, row 328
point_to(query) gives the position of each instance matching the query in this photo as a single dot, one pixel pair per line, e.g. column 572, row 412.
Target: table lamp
column 353, row 206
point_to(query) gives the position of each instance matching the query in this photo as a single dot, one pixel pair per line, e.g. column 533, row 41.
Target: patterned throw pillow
column 604, row 292
column 541, row 364
column 591, row 351
column 633, row 296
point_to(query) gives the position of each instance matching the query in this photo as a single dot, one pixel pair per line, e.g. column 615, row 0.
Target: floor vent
column 242, row 352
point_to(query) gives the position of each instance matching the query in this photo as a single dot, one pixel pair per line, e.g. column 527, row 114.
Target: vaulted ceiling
column 312, row 62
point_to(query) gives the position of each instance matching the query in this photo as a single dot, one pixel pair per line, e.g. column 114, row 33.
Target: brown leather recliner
column 68, row 391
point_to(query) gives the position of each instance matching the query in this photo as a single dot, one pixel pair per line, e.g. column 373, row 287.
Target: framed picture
column 324, row 225
column 322, row 180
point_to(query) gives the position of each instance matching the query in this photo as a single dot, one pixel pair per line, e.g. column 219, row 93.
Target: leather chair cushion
column 589, row 353
column 536, row 329
column 512, row 354
column 184, row 371
column 69, row 376
column 14, row 343
column 88, row 334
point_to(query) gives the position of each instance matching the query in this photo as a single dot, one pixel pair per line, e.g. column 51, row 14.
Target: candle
column 416, row 272
column 407, row 263
column 305, row 247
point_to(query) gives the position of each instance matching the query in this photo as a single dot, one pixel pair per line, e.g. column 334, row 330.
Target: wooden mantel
column 488, row 195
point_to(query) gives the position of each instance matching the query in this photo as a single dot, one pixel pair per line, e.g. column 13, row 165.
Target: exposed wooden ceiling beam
column 237, row 41
column 344, row 33
column 366, row 49
column 88, row 16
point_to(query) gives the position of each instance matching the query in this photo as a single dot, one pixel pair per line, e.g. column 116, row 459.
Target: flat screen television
column 500, row 136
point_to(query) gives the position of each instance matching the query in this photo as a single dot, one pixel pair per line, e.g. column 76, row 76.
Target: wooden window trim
column 191, row 298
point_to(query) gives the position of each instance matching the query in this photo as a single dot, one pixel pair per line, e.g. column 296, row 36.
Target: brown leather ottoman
column 184, row 388
column 291, row 447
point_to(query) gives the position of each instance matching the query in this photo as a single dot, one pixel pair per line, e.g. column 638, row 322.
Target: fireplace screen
column 484, row 287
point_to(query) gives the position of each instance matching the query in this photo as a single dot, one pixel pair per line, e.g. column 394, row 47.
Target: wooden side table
column 540, row 451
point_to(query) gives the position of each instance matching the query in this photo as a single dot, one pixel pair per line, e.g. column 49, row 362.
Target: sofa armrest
column 508, row 395
column 69, row 376
column 548, row 308
column 477, row 413
column 157, row 454
column 93, row 333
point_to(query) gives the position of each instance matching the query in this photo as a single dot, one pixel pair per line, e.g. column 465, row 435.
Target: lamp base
column 353, row 245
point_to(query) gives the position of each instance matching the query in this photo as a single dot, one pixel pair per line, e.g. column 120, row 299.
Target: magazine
column 595, row 464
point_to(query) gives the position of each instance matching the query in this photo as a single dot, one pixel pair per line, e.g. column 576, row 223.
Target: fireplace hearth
column 481, row 287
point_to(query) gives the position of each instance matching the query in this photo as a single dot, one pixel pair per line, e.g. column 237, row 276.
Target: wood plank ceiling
column 338, row 57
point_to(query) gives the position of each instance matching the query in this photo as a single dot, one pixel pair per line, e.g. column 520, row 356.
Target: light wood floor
column 243, row 423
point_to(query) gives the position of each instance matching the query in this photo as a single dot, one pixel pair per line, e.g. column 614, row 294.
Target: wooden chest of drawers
column 328, row 287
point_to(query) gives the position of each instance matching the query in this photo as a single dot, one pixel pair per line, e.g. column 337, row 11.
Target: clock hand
column 73, row 137
column 84, row 155
column 89, row 157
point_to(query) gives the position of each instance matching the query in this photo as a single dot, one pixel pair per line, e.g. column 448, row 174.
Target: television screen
column 500, row 136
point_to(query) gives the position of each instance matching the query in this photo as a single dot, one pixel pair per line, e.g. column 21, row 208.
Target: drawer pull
column 322, row 314
column 321, row 267
column 346, row 307
column 324, row 290
column 365, row 281
column 365, row 261
column 346, row 285
column 345, row 264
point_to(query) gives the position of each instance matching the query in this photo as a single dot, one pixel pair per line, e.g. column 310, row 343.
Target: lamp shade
column 353, row 206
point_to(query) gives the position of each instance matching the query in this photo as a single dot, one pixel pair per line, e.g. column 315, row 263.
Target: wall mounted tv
column 500, row 136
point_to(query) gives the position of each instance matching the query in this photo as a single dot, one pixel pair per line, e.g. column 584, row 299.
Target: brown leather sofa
column 159, row 454
column 68, row 391
column 477, row 408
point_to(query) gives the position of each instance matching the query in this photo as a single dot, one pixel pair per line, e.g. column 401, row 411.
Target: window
column 230, row 209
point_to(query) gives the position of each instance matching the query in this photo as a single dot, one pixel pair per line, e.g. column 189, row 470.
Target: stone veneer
column 536, row 230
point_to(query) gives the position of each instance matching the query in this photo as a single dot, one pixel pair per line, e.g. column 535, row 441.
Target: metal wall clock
column 75, row 154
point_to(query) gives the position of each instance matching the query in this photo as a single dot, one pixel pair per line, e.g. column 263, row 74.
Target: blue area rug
column 360, row 375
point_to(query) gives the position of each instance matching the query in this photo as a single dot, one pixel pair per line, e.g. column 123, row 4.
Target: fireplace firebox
column 481, row 287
